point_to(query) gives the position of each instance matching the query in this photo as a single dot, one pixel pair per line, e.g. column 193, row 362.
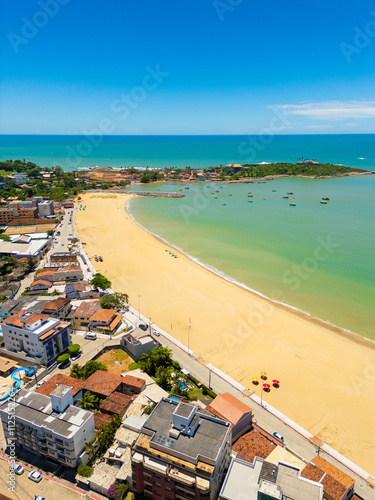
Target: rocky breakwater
column 157, row 194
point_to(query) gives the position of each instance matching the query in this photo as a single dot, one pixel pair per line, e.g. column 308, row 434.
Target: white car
column 90, row 336
column 157, row 334
column 278, row 436
column 18, row 469
column 35, row 476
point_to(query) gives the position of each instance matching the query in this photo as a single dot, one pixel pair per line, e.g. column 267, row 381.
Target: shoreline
column 354, row 337
column 327, row 375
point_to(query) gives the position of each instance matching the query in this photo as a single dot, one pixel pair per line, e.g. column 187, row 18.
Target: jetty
column 158, row 194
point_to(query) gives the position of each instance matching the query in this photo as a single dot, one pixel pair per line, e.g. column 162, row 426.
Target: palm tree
column 76, row 371
column 89, row 401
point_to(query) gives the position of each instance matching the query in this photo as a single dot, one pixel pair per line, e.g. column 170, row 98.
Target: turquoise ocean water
column 73, row 152
column 318, row 258
column 314, row 257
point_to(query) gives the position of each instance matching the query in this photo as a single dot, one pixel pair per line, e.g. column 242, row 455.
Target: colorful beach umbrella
column 266, row 386
column 276, row 382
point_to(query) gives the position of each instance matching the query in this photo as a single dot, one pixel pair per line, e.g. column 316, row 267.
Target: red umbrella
column 276, row 382
column 266, row 386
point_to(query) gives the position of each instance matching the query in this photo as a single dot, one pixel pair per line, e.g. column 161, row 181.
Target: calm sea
column 317, row 258
column 73, row 152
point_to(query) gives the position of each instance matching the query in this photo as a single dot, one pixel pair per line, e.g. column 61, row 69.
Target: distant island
column 20, row 179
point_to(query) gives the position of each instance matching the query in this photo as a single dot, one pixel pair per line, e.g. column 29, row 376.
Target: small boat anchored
column 285, row 197
column 292, row 204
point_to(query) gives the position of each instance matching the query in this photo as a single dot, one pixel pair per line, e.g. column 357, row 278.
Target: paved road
column 293, row 441
column 48, row 487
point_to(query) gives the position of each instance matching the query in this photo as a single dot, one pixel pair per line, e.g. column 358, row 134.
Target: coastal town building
column 40, row 285
column 46, row 208
column 50, row 426
column 60, row 379
column 36, row 337
column 336, row 484
column 103, row 384
column 136, row 347
column 105, row 321
column 72, row 272
column 263, row 480
column 60, row 259
column 82, row 315
column 180, row 453
column 229, row 408
column 58, row 308
column 25, row 246
column 116, row 404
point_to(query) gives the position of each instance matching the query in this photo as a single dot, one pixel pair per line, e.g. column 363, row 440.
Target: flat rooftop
column 241, row 480
column 205, row 443
column 36, row 409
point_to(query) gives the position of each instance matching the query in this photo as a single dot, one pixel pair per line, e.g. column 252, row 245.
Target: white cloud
column 351, row 124
column 318, row 127
column 330, row 110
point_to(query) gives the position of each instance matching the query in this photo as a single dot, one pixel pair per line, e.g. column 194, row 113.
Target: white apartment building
column 51, row 426
column 36, row 337
column 46, row 208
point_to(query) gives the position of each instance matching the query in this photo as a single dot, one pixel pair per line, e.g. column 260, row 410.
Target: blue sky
column 187, row 67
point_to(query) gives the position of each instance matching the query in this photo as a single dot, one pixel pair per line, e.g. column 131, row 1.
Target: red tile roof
column 101, row 419
column 229, row 408
column 104, row 315
column 60, row 379
column 41, row 282
column 116, row 403
column 55, row 305
column 134, row 382
column 253, row 444
column 16, row 321
column 103, row 383
column 335, row 482
column 87, row 309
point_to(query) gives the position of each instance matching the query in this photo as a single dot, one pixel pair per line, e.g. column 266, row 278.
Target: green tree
column 109, row 302
column 122, row 297
column 145, row 179
column 75, row 240
column 31, row 264
column 76, row 371
column 100, row 281
column 5, row 237
column 147, row 409
column 63, row 358
column 89, row 401
column 74, row 349
column 85, row 470
column 50, row 232
column 91, row 367
column 163, row 376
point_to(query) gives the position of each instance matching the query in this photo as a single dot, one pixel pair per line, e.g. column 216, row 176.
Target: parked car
column 65, row 365
column 130, row 329
column 76, row 356
column 143, row 327
column 39, row 384
column 38, row 497
column 90, row 336
column 35, row 476
column 278, row 436
column 18, row 469
column 157, row 334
